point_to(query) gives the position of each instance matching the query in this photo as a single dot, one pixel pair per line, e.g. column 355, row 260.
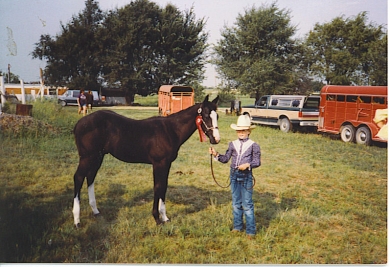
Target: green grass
column 149, row 101
column 317, row 200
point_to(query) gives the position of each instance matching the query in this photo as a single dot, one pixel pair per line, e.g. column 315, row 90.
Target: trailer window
column 379, row 100
column 365, row 99
column 330, row 97
column 352, row 98
column 341, row 98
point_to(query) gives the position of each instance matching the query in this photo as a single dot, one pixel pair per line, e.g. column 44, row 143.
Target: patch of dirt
column 16, row 124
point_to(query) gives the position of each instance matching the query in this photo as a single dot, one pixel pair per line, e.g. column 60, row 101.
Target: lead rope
column 212, row 173
column 215, row 180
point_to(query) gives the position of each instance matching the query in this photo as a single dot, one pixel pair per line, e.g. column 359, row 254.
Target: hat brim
column 238, row 128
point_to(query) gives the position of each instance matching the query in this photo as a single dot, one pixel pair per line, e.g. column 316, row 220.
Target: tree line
column 141, row 46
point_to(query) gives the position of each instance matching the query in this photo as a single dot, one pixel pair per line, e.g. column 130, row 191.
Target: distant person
column 82, row 102
column 245, row 155
column 237, row 107
column 89, row 96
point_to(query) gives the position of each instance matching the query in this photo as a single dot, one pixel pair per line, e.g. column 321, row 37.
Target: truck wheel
column 285, row 125
column 363, row 136
column 347, row 133
column 63, row 103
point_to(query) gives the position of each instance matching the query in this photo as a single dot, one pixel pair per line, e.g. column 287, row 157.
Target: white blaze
column 214, row 120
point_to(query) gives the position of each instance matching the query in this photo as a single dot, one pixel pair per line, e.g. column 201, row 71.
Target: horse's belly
column 131, row 158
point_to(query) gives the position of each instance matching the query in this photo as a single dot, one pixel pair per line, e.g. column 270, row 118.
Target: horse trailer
column 353, row 112
column 174, row 98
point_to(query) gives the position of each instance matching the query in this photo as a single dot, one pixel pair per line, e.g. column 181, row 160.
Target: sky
column 22, row 22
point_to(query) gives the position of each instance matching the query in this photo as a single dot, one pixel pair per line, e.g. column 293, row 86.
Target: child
column 245, row 155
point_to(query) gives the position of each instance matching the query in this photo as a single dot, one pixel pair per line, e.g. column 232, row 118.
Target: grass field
column 317, row 200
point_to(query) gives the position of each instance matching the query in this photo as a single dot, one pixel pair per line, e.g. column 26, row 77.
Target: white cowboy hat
column 243, row 123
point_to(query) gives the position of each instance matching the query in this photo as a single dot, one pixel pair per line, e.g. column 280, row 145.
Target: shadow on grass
column 39, row 227
column 28, row 221
column 197, row 199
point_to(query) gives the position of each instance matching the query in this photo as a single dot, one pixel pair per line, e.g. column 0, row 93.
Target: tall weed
column 51, row 112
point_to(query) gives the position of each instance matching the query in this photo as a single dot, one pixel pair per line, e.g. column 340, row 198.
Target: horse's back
column 127, row 139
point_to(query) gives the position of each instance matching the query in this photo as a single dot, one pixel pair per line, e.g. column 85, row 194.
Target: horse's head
column 208, row 112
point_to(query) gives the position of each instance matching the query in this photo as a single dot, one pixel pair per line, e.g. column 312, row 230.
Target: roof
column 175, row 88
column 353, row 90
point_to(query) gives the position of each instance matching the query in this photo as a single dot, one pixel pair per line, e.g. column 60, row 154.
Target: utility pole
column 9, row 72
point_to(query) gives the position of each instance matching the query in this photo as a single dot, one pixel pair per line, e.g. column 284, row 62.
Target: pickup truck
column 285, row 111
column 69, row 98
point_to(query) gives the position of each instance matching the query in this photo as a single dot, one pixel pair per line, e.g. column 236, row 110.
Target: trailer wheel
column 347, row 133
column 285, row 125
column 363, row 136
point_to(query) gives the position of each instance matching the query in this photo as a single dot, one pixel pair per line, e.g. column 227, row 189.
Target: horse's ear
column 215, row 101
column 206, row 99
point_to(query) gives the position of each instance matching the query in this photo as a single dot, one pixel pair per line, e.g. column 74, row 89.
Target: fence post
column 2, row 89
column 23, row 92
column 41, row 82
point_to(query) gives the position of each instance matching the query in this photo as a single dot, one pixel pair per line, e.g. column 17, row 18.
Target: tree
column 136, row 48
column 341, row 52
column 13, row 78
column 376, row 60
column 73, row 56
column 181, row 46
column 128, row 37
column 258, row 53
column 147, row 46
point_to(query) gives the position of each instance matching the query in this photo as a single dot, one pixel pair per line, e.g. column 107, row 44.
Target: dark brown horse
column 154, row 141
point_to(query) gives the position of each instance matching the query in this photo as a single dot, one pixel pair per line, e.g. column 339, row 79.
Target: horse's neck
column 184, row 122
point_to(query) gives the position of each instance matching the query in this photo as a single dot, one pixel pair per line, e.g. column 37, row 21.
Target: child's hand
column 244, row 166
column 212, row 151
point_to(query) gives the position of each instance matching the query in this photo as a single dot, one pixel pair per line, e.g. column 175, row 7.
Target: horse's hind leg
column 88, row 167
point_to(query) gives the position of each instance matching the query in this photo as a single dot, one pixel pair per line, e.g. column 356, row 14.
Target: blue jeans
column 242, row 190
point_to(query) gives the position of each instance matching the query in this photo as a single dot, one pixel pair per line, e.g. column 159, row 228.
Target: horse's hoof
column 97, row 215
column 77, row 226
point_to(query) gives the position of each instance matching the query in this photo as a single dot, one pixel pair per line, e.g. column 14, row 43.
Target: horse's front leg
column 92, row 199
column 160, row 175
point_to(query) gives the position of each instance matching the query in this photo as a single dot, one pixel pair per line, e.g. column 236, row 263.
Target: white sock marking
column 76, row 210
column 162, row 211
column 92, row 200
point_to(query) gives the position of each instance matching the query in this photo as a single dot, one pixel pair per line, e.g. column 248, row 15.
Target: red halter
column 198, row 122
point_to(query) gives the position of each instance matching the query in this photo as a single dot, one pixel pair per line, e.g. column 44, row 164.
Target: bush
column 48, row 119
column 49, row 111
column 225, row 98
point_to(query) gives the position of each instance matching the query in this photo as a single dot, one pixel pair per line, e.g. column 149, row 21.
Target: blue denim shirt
column 252, row 155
